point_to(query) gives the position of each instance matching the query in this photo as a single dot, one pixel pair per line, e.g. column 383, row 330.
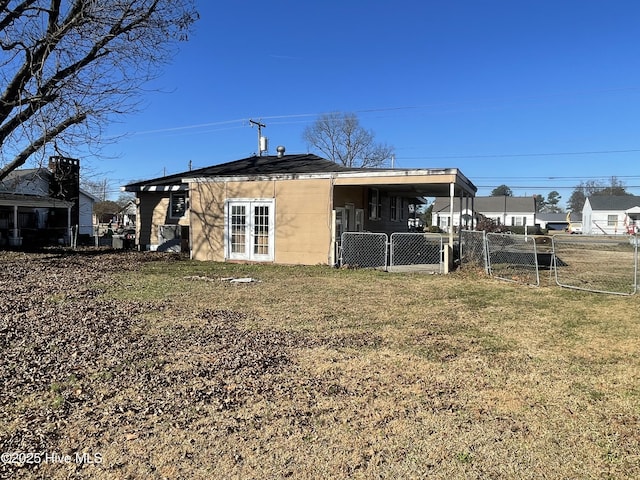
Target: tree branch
column 36, row 145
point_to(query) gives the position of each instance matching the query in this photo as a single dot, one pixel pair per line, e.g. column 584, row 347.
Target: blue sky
column 537, row 95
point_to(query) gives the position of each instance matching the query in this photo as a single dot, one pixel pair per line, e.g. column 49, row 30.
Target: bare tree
column 340, row 137
column 592, row 188
column 69, row 66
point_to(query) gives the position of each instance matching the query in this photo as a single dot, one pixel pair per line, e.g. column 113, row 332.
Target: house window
column 249, row 229
column 178, row 204
column 612, row 220
column 393, row 208
column 375, row 204
column 359, row 220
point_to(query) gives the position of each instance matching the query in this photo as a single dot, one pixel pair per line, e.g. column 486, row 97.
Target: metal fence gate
column 419, row 249
column 363, row 250
column 513, row 258
column 473, row 249
column 375, row 250
column 597, row 263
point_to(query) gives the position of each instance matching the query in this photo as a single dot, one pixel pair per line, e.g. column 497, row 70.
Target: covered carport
column 408, row 184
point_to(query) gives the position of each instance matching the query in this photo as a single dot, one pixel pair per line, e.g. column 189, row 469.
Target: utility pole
column 261, row 147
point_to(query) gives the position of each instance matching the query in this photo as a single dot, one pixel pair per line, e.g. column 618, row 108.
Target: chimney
column 65, row 183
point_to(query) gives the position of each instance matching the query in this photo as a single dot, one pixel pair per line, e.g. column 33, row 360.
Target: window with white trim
column 249, row 229
column 612, row 220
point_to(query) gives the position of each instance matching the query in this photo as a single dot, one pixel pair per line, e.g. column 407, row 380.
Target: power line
column 508, row 155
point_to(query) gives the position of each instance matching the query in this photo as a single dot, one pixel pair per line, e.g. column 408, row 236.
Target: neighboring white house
column 85, row 211
column 611, row 214
column 504, row 210
column 36, row 206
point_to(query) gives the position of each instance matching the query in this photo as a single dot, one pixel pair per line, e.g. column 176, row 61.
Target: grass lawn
column 165, row 369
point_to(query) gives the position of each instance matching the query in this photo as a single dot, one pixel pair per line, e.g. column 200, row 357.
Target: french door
column 249, row 229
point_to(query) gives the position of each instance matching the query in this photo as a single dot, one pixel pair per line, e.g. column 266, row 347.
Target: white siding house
column 503, row 210
column 86, row 203
column 611, row 214
column 35, row 205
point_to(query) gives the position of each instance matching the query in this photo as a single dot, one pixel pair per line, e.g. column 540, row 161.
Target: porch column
column 452, row 188
column 460, row 221
column 474, row 222
column 15, row 221
column 69, row 224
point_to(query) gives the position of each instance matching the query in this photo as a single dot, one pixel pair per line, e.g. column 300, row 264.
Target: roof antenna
column 262, row 141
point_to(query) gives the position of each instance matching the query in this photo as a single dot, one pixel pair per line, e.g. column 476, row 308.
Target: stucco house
column 503, row 210
column 41, row 205
column 288, row 209
column 611, row 214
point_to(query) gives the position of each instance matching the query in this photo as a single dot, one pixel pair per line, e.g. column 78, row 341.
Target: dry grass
column 320, row 373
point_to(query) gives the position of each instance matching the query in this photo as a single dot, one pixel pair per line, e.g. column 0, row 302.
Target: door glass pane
column 238, row 228
column 261, row 230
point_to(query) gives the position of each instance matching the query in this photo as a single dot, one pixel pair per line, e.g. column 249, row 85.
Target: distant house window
column 612, row 220
column 178, row 205
column 375, row 204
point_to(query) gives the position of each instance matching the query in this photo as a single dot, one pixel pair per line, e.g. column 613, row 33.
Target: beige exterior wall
column 153, row 211
column 207, row 220
column 302, row 221
column 408, row 179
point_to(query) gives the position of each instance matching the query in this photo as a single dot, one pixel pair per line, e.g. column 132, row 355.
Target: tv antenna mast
column 262, row 141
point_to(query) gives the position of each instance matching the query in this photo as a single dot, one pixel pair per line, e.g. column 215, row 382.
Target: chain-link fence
column 363, row 250
column 424, row 249
column 513, row 258
column 597, row 263
column 473, row 249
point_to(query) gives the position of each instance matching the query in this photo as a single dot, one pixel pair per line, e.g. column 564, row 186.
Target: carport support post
column 448, row 250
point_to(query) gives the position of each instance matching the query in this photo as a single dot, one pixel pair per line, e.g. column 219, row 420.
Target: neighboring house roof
column 488, row 204
column 36, row 201
column 89, row 195
column 558, row 217
column 17, row 178
column 129, row 208
column 613, row 202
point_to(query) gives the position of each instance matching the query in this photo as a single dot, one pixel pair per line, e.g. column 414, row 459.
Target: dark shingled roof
column 614, row 202
column 264, row 165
